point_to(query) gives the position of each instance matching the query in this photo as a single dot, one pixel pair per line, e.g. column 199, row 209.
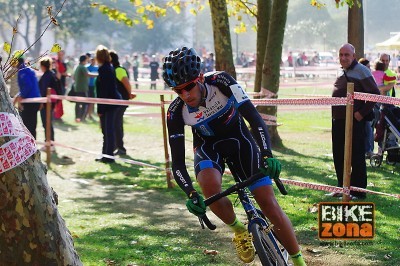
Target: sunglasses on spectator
column 187, row 88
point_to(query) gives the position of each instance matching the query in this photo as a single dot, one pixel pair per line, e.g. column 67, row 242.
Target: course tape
column 329, row 188
column 315, row 101
column 89, row 100
column 321, row 100
column 376, row 98
column 20, row 148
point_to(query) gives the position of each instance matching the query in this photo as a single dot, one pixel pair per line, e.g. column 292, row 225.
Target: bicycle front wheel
column 265, row 247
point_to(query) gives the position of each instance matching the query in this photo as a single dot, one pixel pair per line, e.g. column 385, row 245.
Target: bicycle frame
column 254, row 215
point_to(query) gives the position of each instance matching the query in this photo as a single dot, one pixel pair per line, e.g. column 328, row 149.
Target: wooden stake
column 348, row 142
column 166, row 153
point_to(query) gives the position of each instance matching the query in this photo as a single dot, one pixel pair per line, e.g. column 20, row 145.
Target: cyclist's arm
column 176, row 137
column 259, row 129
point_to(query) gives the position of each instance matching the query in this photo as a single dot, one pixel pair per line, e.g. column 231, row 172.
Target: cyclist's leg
column 245, row 163
column 283, row 228
column 210, row 181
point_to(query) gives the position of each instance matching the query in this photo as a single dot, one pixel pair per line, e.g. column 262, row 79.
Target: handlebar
column 238, row 185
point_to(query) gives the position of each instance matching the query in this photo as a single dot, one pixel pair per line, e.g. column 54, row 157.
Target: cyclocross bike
column 267, row 246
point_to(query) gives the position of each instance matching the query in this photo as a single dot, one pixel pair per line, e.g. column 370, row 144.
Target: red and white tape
column 334, row 189
column 20, row 148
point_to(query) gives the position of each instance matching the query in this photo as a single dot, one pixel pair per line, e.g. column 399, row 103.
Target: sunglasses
column 187, row 88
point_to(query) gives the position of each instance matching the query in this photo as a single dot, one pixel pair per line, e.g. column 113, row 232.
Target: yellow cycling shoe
column 244, row 246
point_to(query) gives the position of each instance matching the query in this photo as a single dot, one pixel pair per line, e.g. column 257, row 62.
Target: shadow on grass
column 146, row 228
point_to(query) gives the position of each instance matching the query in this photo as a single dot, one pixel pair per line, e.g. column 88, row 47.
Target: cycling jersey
column 220, row 134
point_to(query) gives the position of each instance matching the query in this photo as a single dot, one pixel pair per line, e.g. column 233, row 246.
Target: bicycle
column 267, row 246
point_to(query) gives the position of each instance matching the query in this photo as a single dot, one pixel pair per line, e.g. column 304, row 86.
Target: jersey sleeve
column 258, row 127
column 176, row 136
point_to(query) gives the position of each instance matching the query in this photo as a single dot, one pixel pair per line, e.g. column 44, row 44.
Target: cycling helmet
column 180, row 66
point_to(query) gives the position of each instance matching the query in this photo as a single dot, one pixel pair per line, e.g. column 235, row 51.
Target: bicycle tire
column 265, row 248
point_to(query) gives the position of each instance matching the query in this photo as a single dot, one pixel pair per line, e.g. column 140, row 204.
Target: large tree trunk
column 271, row 68
column 263, row 17
column 32, row 231
column 222, row 37
column 355, row 32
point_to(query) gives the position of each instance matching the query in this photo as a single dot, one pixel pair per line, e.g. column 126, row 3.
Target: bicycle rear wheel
column 265, row 247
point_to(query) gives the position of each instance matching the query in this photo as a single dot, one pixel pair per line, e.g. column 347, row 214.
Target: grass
column 123, row 214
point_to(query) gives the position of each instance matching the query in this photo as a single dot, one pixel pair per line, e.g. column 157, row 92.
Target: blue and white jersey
column 218, row 111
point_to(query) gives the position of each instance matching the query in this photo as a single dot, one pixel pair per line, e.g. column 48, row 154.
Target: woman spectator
column 48, row 80
column 106, row 87
column 124, row 88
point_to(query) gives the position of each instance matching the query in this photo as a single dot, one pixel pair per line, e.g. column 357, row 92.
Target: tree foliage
column 350, row 3
column 34, row 18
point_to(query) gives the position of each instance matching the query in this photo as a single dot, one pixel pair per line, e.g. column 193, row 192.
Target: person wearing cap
column 215, row 106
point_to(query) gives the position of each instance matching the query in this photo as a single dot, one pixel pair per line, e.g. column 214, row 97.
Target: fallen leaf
column 314, row 251
column 313, row 209
column 210, row 252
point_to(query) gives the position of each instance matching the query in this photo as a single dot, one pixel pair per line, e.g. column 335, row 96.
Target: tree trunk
column 263, row 17
column 272, row 62
column 355, row 32
column 32, row 231
column 222, row 37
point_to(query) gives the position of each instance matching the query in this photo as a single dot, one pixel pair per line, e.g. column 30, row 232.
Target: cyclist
column 215, row 106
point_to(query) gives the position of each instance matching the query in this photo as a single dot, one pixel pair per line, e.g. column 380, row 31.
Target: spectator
column 48, row 80
column 379, row 74
column 124, row 88
column 127, row 64
column 154, row 65
column 62, row 69
column 106, row 88
column 315, row 59
column 390, row 79
column 81, row 77
column 369, row 130
column 388, row 89
column 363, row 82
column 210, row 63
column 93, row 68
column 290, row 59
column 135, row 70
column 244, row 60
column 28, row 88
